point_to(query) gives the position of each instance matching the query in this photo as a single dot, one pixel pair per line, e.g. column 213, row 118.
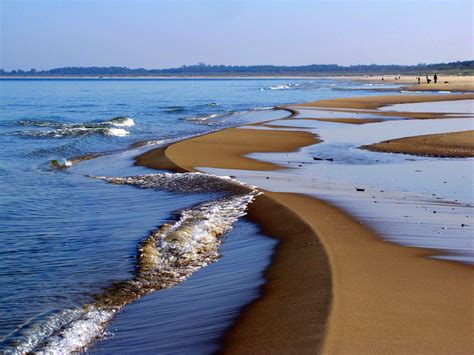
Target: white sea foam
column 279, row 87
column 264, row 108
column 117, row 132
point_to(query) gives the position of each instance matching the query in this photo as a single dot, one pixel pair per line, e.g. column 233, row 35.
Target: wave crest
column 110, row 127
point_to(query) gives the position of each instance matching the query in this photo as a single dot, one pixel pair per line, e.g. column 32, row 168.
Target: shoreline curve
column 361, row 293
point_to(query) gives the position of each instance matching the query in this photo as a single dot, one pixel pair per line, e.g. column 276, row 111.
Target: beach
column 242, row 200
column 214, row 178
column 459, row 83
column 334, row 285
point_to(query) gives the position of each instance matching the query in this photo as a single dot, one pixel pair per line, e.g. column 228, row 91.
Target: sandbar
column 451, row 145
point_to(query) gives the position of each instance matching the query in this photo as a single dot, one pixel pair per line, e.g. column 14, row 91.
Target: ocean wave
column 280, row 87
column 210, row 119
column 173, row 109
column 121, row 121
column 112, row 127
column 73, row 132
column 40, row 123
column 206, row 119
column 166, row 257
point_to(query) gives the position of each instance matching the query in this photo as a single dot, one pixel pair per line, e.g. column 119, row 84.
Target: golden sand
column 455, row 145
column 226, row 149
column 374, row 102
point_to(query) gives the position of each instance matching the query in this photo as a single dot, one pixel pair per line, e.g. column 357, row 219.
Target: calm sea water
column 67, row 238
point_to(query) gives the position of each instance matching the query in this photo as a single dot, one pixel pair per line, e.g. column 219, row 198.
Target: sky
column 45, row 34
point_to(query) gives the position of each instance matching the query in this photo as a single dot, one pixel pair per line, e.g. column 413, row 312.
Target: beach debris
column 60, row 165
column 360, row 189
column 320, row 159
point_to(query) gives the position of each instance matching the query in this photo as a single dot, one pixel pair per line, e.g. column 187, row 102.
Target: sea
column 100, row 255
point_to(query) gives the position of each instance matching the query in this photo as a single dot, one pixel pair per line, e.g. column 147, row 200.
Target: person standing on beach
column 419, row 79
column 428, row 80
column 435, row 78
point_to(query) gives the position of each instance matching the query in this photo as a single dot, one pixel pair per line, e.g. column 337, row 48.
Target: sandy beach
column 459, row 83
column 454, row 145
column 334, row 285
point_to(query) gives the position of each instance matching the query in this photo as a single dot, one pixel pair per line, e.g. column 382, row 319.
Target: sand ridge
column 452, row 145
column 374, row 102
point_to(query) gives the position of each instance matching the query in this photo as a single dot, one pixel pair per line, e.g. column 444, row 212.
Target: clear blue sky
column 165, row 33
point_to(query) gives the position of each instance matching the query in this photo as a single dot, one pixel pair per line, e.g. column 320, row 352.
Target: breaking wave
column 218, row 119
column 281, row 87
column 166, row 257
column 55, row 129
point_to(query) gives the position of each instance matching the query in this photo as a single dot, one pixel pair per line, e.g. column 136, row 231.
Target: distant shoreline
column 358, row 77
column 446, row 83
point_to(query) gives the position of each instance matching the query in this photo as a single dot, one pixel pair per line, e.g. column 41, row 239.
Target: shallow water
column 412, row 200
column 462, row 106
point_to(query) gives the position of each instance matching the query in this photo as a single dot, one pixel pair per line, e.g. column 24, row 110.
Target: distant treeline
column 201, row 69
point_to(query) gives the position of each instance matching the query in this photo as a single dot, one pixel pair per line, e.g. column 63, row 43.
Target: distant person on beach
column 419, row 79
column 428, row 80
column 435, row 78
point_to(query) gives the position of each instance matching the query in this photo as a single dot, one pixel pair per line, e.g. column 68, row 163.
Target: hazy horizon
column 45, row 34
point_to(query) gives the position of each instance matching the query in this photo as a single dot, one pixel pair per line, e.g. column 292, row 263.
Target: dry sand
column 454, row 145
column 333, row 286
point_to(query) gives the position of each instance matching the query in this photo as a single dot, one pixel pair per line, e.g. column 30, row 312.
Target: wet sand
column 451, row 145
column 226, row 149
column 374, row 102
column 346, row 120
column 333, row 285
